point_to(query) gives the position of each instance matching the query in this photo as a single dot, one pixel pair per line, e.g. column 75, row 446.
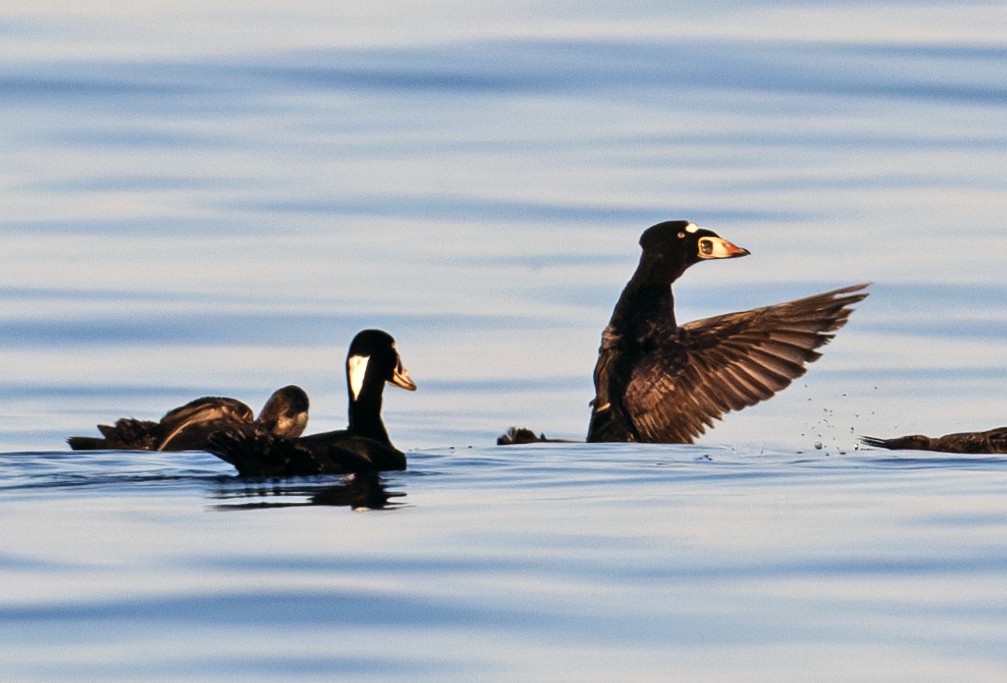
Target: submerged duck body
column 364, row 446
column 190, row 426
column 659, row 382
column 991, row 441
column 516, row 436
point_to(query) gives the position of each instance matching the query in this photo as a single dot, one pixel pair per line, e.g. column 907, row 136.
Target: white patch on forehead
column 691, row 227
column 356, row 368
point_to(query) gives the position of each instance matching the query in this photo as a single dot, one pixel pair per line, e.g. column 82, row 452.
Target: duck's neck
column 365, row 416
column 646, row 303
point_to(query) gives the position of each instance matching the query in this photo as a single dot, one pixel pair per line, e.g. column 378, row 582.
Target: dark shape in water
column 189, row 427
column 523, row 435
column 372, row 360
column 360, row 491
column 992, row 441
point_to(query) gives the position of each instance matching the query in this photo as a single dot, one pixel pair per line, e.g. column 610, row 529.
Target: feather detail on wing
column 730, row 362
column 200, row 414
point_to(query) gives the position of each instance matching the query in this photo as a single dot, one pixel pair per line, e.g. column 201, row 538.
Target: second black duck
column 371, row 361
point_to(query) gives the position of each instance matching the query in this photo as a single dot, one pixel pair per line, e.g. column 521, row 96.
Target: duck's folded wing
column 209, row 408
column 258, row 454
column 201, row 411
column 730, row 362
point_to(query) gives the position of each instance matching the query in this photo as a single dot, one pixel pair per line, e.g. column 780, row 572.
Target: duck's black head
column 286, row 413
column 671, row 247
column 371, row 361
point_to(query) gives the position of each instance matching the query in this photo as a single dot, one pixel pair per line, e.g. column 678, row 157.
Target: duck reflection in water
column 360, row 491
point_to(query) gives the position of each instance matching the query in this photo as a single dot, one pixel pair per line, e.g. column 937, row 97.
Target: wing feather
column 711, row 366
column 198, row 418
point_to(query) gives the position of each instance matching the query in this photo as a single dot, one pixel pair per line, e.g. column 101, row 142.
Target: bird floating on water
column 991, row 441
column 372, row 361
column 188, row 427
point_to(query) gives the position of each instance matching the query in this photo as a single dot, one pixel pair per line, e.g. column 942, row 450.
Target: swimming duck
column 992, row 441
column 372, row 361
column 659, row 382
column 188, row 427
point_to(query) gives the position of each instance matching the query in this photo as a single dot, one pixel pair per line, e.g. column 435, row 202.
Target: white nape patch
column 356, row 368
column 691, row 227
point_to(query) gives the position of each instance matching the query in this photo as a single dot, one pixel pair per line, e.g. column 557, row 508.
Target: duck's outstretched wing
column 730, row 362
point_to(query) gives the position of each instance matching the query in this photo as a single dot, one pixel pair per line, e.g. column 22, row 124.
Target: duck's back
column 342, row 451
column 255, row 454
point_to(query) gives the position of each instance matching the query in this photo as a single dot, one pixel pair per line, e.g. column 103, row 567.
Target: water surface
column 205, row 200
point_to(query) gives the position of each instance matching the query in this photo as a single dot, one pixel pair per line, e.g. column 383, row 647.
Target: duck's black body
column 338, row 452
column 190, row 426
column 364, row 446
column 656, row 381
column 992, row 441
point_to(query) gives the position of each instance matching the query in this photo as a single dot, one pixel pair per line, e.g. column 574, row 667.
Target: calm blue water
column 213, row 200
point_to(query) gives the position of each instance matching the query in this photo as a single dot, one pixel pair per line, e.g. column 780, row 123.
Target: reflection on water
column 364, row 491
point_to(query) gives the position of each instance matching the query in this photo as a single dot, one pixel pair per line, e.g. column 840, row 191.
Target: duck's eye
column 681, row 235
column 705, row 247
